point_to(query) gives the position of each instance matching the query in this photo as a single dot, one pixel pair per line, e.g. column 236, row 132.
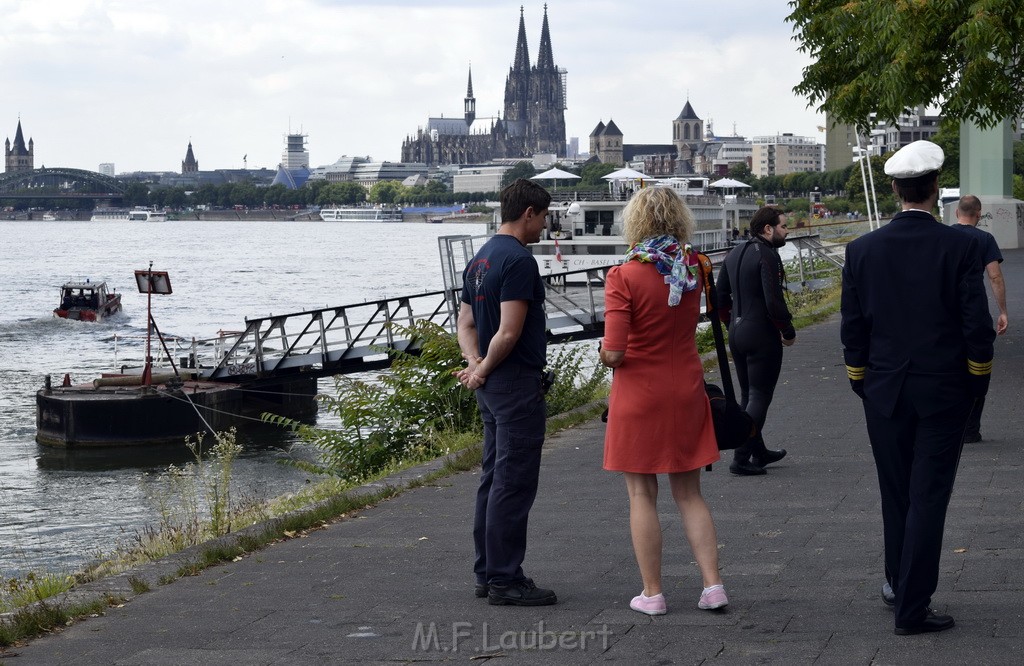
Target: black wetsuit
column 751, row 304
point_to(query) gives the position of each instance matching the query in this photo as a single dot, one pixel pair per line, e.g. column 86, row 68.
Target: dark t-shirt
column 988, row 250
column 504, row 270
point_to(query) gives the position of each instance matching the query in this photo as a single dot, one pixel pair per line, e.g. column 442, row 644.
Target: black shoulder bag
column 733, row 426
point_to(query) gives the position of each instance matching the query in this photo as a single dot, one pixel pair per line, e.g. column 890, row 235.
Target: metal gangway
column 360, row 337
column 816, row 260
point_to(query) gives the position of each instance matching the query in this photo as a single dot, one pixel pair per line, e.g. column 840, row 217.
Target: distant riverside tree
column 882, row 57
column 520, row 170
column 341, row 193
column 386, row 191
column 740, row 171
column 592, row 174
column 136, row 194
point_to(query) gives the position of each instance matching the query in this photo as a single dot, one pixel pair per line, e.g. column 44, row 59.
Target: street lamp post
column 874, row 221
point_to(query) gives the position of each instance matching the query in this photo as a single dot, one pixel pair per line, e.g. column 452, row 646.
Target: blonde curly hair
column 656, row 211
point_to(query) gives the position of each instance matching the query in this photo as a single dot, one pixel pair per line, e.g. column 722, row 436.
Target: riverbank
column 800, row 555
column 255, row 215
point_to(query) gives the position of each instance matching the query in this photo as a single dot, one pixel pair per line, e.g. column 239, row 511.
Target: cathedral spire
column 19, row 139
column 189, row 164
column 470, row 102
column 545, row 59
column 522, row 62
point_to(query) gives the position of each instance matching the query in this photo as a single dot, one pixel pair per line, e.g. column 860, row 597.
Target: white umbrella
column 627, row 174
column 728, row 182
column 555, row 174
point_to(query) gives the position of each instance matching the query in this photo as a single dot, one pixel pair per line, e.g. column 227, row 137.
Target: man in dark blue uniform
column 917, row 338
column 502, row 336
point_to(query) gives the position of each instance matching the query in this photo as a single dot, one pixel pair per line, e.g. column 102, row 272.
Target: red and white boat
column 87, row 301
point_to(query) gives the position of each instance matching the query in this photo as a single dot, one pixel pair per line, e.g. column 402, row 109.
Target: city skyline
column 134, row 83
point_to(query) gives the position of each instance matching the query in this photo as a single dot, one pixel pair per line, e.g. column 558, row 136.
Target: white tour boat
column 361, row 214
column 587, row 232
column 146, row 215
column 138, row 214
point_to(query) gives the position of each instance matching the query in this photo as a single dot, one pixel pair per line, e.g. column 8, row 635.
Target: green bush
column 395, row 416
column 579, row 379
column 417, row 408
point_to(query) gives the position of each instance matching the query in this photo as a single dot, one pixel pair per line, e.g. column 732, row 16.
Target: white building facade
column 780, row 154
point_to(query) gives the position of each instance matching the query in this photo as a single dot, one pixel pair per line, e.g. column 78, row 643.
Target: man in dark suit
column 917, row 338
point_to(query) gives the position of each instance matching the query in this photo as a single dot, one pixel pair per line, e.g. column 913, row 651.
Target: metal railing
column 816, row 260
column 358, row 337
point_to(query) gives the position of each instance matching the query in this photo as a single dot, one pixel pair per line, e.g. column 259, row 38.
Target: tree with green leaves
column 884, row 56
column 345, row 194
column 522, row 169
column 136, row 194
column 740, row 171
column 387, row 191
column 593, row 173
column 948, row 138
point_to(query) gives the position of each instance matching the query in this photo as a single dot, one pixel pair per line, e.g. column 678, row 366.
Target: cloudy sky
column 133, row 81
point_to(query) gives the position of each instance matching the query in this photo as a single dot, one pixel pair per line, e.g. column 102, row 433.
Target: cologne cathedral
column 534, row 119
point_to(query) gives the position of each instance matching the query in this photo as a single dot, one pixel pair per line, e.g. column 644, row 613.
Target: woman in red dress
column 659, row 418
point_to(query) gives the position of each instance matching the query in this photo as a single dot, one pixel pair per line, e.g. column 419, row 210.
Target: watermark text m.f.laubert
column 470, row 637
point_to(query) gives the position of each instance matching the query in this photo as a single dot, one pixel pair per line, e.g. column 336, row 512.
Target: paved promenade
column 800, row 556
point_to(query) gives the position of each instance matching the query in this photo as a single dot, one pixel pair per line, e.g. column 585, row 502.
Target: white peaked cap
column 915, row 159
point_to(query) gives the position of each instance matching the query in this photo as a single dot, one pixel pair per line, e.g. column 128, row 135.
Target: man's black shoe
column 972, row 438
column 888, row 596
column 481, row 590
column 520, row 593
column 932, row 622
column 746, row 468
column 768, row 457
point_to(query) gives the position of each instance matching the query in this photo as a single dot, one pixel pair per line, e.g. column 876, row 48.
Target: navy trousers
column 916, row 458
column 512, row 406
column 974, row 422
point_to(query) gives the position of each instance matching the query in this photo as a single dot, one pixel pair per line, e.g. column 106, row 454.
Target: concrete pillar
column 986, row 171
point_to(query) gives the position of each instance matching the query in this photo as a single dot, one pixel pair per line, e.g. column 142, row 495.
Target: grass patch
column 138, row 585
column 32, row 588
column 42, row 617
column 813, row 306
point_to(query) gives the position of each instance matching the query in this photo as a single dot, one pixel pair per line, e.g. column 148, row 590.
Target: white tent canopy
column 555, row 174
column 627, row 174
column 728, row 183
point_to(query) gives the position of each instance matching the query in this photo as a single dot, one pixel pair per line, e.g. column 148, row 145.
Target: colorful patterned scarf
column 678, row 265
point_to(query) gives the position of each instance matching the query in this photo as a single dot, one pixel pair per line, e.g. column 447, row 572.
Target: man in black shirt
column 968, row 214
column 502, row 336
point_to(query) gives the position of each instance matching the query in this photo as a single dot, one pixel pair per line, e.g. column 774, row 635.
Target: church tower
column 609, row 144
column 189, row 165
column 470, row 102
column 687, row 129
column 517, row 85
column 547, row 99
column 19, row 157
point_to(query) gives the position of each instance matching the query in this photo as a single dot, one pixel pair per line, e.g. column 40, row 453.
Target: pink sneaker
column 713, row 598
column 649, row 605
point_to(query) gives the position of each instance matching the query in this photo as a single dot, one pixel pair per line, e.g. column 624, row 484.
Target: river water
column 59, row 508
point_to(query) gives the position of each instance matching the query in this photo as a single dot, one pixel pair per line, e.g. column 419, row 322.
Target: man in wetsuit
column 751, row 304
